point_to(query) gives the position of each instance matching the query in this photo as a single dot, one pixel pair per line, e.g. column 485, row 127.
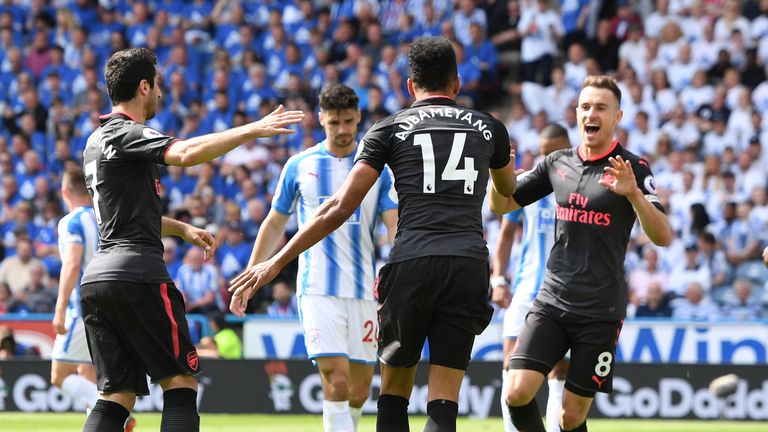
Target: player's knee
column 338, row 384
column 518, row 394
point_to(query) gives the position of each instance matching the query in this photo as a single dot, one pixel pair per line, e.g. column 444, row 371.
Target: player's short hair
column 554, row 131
column 338, row 97
column 432, row 62
column 603, row 82
column 126, row 69
column 74, row 181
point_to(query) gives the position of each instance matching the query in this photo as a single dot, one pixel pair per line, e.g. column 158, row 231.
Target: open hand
column 619, row 177
column 275, row 122
column 246, row 284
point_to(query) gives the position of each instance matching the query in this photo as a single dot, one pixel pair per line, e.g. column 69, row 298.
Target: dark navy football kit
column 133, row 313
column 582, row 302
column 435, row 285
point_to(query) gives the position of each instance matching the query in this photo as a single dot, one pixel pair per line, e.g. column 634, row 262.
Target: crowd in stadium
column 695, row 103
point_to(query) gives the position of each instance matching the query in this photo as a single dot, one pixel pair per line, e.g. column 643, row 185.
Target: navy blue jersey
column 585, row 270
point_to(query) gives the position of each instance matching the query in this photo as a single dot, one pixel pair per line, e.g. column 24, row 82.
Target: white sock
column 336, row 416
column 80, row 389
column 508, row 426
column 554, row 403
column 356, row 413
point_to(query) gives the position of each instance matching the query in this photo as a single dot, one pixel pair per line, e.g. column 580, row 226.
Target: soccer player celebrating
column 335, row 278
column 538, row 221
column 435, row 285
column 133, row 314
column 71, row 368
column 600, row 189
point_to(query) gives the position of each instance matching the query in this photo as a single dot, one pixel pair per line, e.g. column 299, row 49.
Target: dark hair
column 337, row 97
column 74, row 180
column 699, row 218
column 432, row 62
column 126, row 69
column 603, row 82
column 554, row 131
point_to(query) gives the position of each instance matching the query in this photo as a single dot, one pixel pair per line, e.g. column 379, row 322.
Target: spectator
column 284, row 304
column 648, row 274
column 540, row 29
column 36, row 295
column 695, row 305
column 10, row 348
column 742, row 305
column 656, row 304
column 198, row 281
column 9, row 304
column 690, row 270
column 170, row 257
column 225, row 342
column 16, row 271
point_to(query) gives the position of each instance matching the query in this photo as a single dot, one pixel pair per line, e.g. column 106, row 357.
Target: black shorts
column 549, row 333
column 442, row 299
column 134, row 330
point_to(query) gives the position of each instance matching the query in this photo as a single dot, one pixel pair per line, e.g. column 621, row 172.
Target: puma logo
column 598, row 381
column 315, row 175
column 561, row 173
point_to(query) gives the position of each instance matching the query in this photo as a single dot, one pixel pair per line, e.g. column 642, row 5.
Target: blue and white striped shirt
column 342, row 264
column 79, row 226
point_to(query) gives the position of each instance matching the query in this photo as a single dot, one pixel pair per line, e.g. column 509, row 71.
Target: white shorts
column 339, row 327
column 72, row 346
column 514, row 318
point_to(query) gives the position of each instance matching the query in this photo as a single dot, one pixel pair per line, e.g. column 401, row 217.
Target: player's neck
column 592, row 153
column 421, row 95
column 340, row 152
column 133, row 109
column 75, row 204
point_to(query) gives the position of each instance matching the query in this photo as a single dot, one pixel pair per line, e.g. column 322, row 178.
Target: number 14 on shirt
column 451, row 172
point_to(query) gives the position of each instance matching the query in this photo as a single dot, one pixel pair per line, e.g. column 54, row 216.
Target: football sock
column 393, row 414
column 336, row 417
column 581, row 428
column 356, row 413
column 441, row 415
column 554, row 402
column 106, row 416
column 507, row 420
column 80, row 390
column 527, row 418
column 180, row 411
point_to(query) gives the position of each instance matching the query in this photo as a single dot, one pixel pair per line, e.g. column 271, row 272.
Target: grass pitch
column 47, row 422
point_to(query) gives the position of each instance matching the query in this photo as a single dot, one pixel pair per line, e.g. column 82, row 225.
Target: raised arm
column 197, row 150
column 653, row 220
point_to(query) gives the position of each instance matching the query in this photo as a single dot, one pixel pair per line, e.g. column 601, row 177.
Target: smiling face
column 598, row 114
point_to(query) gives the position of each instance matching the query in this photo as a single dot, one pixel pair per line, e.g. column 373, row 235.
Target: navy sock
column 180, row 411
column 106, row 416
column 441, row 416
column 527, row 418
column 581, row 428
column 393, row 414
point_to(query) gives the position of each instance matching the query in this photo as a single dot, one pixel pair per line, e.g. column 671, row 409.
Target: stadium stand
column 692, row 73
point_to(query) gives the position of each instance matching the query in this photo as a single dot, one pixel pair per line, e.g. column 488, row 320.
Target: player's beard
column 150, row 109
column 343, row 141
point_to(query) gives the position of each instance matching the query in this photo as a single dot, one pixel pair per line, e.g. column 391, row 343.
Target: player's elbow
column 500, row 206
column 181, row 155
column 664, row 238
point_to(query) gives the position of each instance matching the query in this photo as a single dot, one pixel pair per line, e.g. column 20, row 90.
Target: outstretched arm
column 328, row 217
column 197, row 150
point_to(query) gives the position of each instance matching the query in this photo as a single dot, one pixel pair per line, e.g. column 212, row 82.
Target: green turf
column 47, row 422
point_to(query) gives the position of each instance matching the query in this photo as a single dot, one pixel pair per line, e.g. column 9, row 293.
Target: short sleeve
column 515, row 216
column 535, row 184
column 646, row 182
column 144, row 143
column 501, row 146
column 70, row 231
column 376, row 145
column 387, row 193
column 287, row 191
